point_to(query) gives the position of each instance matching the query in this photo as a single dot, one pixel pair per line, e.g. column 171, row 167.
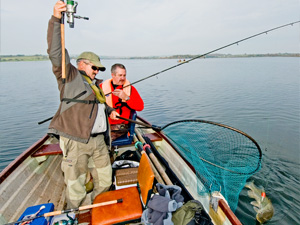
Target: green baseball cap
column 93, row 58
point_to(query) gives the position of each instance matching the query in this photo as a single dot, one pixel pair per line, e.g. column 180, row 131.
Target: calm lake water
column 259, row 96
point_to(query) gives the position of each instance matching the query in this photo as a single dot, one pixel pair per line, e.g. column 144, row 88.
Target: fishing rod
column 55, row 213
column 142, row 145
column 140, row 123
column 71, row 10
column 199, row 56
column 63, row 52
column 215, row 50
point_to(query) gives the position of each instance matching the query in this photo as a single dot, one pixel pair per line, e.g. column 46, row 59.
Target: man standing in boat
column 82, row 118
column 122, row 96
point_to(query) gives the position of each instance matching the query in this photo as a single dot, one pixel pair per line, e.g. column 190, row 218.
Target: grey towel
column 160, row 207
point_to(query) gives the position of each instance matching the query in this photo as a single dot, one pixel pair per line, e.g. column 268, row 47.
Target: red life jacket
column 107, row 88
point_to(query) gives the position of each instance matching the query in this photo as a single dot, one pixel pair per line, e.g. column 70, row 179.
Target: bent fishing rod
column 200, row 56
column 215, row 50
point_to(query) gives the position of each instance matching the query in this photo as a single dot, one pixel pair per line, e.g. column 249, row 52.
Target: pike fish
column 262, row 204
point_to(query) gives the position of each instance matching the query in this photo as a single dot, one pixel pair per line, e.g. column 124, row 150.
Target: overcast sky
column 154, row 27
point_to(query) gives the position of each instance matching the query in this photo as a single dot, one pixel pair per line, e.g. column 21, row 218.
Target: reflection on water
column 259, row 96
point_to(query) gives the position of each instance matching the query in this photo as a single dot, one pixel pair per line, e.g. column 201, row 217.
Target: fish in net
column 223, row 157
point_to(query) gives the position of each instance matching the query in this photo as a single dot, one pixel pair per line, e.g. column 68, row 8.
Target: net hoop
column 224, row 126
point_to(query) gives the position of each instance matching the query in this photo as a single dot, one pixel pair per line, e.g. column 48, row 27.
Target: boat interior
column 36, row 178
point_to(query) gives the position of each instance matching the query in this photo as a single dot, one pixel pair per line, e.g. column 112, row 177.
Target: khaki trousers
column 78, row 160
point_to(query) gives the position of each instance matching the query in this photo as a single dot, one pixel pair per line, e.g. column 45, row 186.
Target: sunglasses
column 93, row 67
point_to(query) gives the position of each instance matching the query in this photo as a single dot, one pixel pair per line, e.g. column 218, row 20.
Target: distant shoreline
column 15, row 58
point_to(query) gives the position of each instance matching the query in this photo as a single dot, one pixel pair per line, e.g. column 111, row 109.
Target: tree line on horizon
column 38, row 57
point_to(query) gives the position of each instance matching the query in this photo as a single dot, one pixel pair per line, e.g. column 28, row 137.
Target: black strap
column 78, row 96
column 75, row 99
column 68, row 100
column 120, row 104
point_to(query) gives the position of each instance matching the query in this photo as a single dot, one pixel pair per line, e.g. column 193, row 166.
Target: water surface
column 259, row 96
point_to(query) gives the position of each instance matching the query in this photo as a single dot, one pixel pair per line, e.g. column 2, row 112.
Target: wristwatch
column 127, row 98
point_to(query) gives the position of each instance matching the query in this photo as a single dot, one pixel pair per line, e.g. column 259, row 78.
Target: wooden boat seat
column 153, row 137
column 134, row 199
column 50, row 149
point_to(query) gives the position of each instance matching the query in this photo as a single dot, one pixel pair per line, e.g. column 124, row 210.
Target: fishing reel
column 71, row 221
column 71, row 10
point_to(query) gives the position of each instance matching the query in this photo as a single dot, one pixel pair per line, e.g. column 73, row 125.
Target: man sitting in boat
column 82, row 118
column 123, row 97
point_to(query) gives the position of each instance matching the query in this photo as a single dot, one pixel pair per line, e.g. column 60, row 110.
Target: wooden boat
column 35, row 177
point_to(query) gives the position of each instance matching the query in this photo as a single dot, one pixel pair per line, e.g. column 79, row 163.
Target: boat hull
column 29, row 181
column 34, row 178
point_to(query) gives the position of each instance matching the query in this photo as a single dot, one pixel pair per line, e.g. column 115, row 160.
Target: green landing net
column 223, row 157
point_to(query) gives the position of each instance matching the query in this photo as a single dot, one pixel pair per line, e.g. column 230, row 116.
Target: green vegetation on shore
column 14, row 58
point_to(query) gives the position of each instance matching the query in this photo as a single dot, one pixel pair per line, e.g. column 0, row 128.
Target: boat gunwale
column 164, row 137
column 19, row 160
column 222, row 204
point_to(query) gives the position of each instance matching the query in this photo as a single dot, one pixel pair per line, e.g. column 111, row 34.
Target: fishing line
column 199, row 56
column 217, row 49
